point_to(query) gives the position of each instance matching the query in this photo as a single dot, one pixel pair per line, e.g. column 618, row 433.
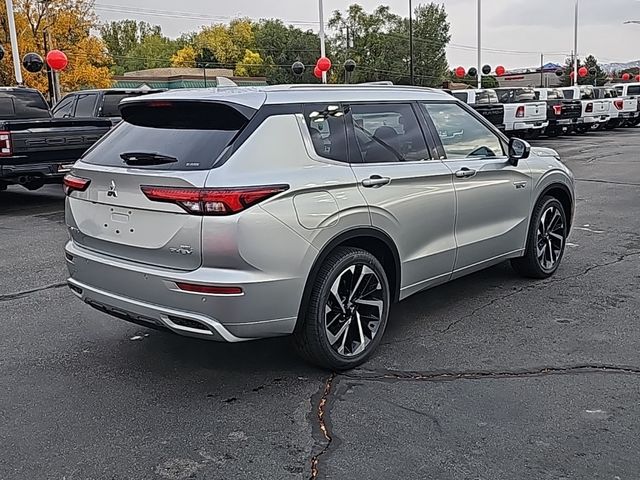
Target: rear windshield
column 516, row 95
column 485, row 97
column 25, row 104
column 112, row 100
column 194, row 134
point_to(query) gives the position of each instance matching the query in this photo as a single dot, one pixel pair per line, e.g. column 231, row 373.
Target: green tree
column 281, row 46
column 379, row 43
column 591, row 62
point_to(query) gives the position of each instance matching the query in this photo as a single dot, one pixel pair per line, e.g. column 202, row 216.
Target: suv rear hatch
column 131, row 196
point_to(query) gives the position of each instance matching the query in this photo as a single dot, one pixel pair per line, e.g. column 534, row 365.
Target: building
column 532, row 77
column 173, row 78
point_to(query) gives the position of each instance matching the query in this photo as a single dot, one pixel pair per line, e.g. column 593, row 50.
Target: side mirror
column 518, row 150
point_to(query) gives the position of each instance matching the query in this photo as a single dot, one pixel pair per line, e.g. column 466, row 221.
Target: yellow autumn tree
column 185, row 57
column 225, row 43
column 69, row 24
column 250, row 65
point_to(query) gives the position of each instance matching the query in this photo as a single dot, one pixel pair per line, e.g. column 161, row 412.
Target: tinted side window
column 65, row 107
column 327, row 129
column 462, row 135
column 86, row 105
column 388, row 133
column 462, row 96
column 23, row 104
column 568, row 94
column 633, row 90
column 486, row 96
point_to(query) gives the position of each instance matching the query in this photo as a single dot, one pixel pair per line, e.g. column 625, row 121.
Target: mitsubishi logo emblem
column 112, row 190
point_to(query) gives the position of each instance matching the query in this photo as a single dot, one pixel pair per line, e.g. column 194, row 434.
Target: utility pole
column 411, row 66
column 479, row 43
column 575, row 48
column 322, row 39
column 14, row 42
column 542, row 70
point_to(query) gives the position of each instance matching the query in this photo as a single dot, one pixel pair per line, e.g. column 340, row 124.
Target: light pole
column 411, row 67
column 14, row 42
column 322, row 40
column 479, row 43
column 575, row 48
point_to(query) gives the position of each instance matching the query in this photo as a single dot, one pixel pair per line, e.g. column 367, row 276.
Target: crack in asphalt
column 25, row 293
column 376, row 375
column 322, row 413
column 321, row 416
column 609, row 182
column 517, row 291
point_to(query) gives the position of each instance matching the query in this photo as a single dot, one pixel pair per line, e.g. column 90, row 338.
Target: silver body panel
column 442, row 226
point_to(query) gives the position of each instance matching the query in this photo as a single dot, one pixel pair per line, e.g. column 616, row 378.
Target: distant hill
column 611, row 67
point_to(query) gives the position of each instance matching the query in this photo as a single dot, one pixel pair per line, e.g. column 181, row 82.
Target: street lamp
column 14, row 42
column 411, row 68
column 479, row 43
column 575, row 48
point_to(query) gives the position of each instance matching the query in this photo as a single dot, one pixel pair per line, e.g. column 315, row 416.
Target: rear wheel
column 546, row 240
column 347, row 312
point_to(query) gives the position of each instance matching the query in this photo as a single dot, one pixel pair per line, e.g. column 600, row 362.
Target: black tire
column 553, row 132
column 531, row 265
column 311, row 338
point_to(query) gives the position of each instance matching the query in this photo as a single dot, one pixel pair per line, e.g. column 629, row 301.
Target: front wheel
column 347, row 312
column 546, row 241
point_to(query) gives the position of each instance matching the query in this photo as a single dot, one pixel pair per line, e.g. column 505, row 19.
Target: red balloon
column 583, row 72
column 500, row 70
column 324, row 64
column 317, row 72
column 626, row 76
column 57, row 60
column 460, row 72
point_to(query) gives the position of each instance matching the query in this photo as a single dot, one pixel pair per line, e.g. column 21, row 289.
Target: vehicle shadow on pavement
column 19, row 200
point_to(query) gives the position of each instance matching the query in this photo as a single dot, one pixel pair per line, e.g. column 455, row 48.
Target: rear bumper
column 52, row 172
column 144, row 295
column 530, row 125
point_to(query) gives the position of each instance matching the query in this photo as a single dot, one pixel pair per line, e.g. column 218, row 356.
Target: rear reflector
column 520, row 112
column 5, row 144
column 619, row 104
column 209, row 289
column 73, row 183
column 212, row 201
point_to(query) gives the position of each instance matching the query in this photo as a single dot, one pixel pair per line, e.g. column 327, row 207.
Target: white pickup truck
column 523, row 114
column 630, row 91
column 623, row 110
column 594, row 112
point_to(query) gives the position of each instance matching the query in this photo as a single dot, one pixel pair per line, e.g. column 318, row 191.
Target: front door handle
column 375, row 181
column 466, row 173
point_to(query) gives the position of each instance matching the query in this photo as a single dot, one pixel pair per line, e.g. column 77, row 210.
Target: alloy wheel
column 550, row 238
column 353, row 310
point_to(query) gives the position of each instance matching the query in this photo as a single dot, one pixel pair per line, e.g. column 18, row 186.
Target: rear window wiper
column 144, row 158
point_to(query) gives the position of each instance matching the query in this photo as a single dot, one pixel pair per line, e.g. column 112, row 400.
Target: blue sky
column 515, row 32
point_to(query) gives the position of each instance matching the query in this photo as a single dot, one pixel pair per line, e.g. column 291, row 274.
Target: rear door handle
column 375, row 181
column 466, row 173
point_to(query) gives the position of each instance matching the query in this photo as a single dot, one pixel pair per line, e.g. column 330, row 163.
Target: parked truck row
column 530, row 112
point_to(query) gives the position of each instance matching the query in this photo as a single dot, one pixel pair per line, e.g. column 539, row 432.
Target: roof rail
column 382, row 82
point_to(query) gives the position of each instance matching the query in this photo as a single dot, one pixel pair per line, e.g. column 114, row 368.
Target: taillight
column 589, row 108
column 75, row 184
column 619, row 104
column 212, row 201
column 557, row 109
column 5, row 144
column 520, row 112
column 209, row 289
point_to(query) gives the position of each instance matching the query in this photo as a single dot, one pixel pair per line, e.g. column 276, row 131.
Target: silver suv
column 240, row 214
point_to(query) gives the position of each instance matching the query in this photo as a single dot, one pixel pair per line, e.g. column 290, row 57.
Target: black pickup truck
column 36, row 149
column 563, row 115
column 97, row 103
column 485, row 102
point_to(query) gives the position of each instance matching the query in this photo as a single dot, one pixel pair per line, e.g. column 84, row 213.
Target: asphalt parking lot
column 489, row 377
